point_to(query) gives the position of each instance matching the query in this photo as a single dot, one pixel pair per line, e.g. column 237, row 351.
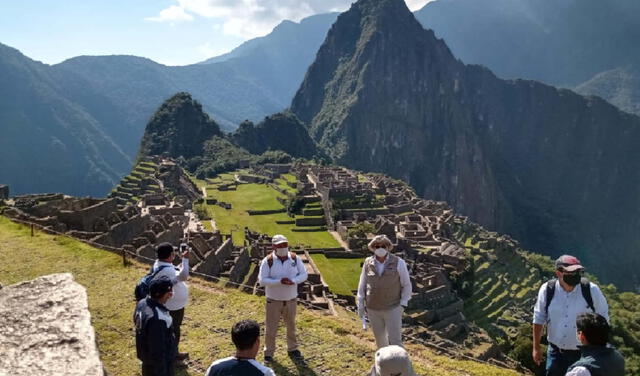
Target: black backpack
column 142, row 288
column 585, row 286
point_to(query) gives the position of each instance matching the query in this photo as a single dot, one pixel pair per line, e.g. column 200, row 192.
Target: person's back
column 598, row 361
column 233, row 366
column 245, row 335
column 597, row 358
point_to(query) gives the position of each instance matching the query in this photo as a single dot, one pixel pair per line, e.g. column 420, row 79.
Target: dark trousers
column 177, row 317
column 558, row 361
column 151, row 370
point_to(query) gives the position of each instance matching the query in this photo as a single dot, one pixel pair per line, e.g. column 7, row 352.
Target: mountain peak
column 379, row 39
column 178, row 128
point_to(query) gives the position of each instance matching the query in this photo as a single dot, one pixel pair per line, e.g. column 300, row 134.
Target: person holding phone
column 166, row 254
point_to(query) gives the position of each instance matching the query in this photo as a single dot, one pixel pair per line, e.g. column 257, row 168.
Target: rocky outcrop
column 556, row 170
column 46, row 329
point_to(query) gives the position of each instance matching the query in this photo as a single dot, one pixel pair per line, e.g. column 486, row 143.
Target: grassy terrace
column 332, row 345
column 258, row 197
column 342, row 275
column 497, row 285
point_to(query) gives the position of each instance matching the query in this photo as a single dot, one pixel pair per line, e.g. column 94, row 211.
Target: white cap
column 393, row 361
column 278, row 239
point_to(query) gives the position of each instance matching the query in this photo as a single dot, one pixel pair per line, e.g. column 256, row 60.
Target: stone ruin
column 99, row 221
column 46, row 329
column 423, row 232
column 4, row 192
column 157, row 177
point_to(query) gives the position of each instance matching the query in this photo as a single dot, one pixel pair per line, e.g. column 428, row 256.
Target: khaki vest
column 382, row 291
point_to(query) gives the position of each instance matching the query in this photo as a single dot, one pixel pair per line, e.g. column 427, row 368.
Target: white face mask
column 282, row 252
column 380, row 252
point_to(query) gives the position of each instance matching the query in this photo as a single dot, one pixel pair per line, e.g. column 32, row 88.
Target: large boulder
column 46, row 329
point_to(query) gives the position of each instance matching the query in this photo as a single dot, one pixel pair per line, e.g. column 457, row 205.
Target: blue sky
column 172, row 32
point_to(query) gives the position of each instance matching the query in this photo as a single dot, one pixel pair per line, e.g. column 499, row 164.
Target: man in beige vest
column 384, row 292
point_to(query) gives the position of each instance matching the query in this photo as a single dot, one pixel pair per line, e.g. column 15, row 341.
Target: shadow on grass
column 302, row 368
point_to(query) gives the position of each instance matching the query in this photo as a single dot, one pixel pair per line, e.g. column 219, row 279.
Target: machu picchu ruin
column 442, row 250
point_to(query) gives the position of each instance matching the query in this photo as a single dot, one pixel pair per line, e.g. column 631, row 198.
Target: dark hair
column 245, row 333
column 163, row 250
column 159, row 286
column 594, row 327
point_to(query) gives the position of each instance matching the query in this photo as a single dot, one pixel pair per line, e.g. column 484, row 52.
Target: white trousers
column 387, row 326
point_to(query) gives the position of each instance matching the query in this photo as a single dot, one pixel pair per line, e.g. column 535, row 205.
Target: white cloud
column 174, row 13
column 252, row 18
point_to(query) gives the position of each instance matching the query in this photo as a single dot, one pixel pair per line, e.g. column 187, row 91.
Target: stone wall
column 317, row 221
column 85, row 219
column 224, row 251
column 240, row 266
column 4, row 192
column 124, row 232
column 46, row 329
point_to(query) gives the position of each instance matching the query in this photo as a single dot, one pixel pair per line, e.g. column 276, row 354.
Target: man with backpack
column 559, row 303
column 280, row 273
column 155, row 341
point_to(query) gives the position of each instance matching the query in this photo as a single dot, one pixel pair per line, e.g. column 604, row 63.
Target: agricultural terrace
column 341, row 274
column 260, row 197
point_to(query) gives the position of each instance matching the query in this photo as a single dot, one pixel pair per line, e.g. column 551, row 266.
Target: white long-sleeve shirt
column 178, row 276
column 563, row 312
column 405, row 281
column 270, row 277
column 579, row 371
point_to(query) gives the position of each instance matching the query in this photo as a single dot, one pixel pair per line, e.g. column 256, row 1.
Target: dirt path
column 342, row 243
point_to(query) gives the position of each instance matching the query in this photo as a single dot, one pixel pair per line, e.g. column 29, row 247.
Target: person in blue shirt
column 245, row 335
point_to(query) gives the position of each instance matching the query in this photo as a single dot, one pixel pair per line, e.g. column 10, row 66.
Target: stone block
column 46, row 325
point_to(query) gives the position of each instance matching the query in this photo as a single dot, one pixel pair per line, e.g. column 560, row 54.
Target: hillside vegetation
column 332, row 345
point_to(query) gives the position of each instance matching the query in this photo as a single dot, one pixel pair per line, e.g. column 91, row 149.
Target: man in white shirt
column 280, row 273
column 559, row 303
column 384, row 292
column 166, row 253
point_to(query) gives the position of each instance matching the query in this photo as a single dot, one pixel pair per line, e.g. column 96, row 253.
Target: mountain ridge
column 395, row 100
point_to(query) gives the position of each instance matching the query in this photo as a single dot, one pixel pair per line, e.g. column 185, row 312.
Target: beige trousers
column 387, row 326
column 276, row 309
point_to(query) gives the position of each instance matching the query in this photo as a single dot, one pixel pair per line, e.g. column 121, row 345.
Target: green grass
column 260, row 197
column 333, row 345
column 342, row 275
